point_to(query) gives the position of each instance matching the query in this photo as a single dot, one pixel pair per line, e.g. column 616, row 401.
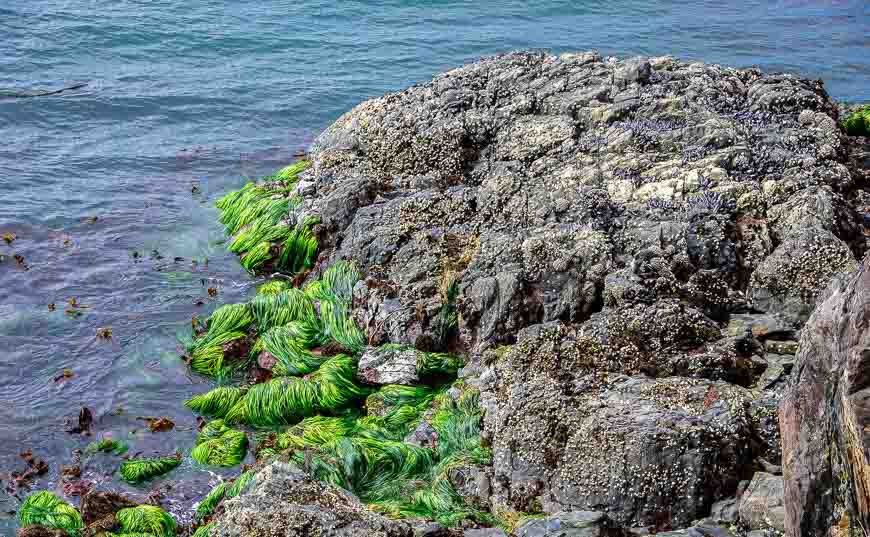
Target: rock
column 569, row 524
column 604, row 220
column 703, row 528
column 788, row 281
column 98, row 505
column 824, row 416
column 286, row 503
column 429, row 529
column 485, row 532
column 761, row 506
column 674, row 445
column 724, row 511
column 35, row 530
column 389, row 365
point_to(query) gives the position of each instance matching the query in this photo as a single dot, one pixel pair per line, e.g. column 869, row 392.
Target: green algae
column 146, row 519
column 139, row 470
column 107, row 445
column 219, row 445
column 858, row 122
column 46, row 509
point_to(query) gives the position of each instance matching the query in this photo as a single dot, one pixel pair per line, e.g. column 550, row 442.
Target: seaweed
column 215, row 403
column 208, row 504
column 278, row 309
column 107, row 445
column 220, row 445
column 138, row 470
column 46, row 509
column 204, row 531
column 858, row 122
column 146, row 519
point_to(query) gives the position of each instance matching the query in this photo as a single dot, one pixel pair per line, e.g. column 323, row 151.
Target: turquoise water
column 106, row 185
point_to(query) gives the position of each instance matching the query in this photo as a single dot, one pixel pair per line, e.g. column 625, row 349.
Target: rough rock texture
column 570, row 524
column 636, row 245
column 386, row 365
column 825, row 418
column 285, row 503
column 35, row 530
column 761, row 506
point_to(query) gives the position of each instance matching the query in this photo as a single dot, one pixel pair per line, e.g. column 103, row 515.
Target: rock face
column 761, row 506
column 386, row 365
column 285, row 503
column 571, row 524
column 825, row 417
column 636, row 244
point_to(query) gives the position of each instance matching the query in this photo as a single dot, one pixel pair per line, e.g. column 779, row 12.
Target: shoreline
column 532, row 293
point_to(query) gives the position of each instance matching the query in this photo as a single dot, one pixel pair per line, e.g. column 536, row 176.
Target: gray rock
column 762, row 505
column 389, row 365
column 485, row 532
column 286, row 503
column 704, row 528
column 724, row 511
column 568, row 524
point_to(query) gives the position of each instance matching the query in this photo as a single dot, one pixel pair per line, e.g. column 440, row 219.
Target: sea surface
column 109, row 189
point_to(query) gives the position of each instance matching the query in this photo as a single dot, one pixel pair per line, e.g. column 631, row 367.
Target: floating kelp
column 46, row 509
column 220, row 445
column 146, row 519
column 138, row 470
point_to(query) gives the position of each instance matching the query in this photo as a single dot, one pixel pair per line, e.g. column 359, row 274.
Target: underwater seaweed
column 46, row 509
column 107, row 445
column 146, row 519
column 138, row 470
column 215, row 403
column 220, row 445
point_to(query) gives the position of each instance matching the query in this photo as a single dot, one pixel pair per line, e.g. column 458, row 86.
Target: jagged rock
column 570, row 524
column 389, row 365
column 724, row 511
column 674, row 445
column 761, row 506
column 702, row 528
column 637, row 207
column 551, row 187
column 824, row 417
column 286, row 503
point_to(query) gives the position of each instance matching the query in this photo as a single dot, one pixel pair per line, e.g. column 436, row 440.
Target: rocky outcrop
column 635, row 243
column 825, row 418
column 761, row 505
column 570, row 524
column 284, row 502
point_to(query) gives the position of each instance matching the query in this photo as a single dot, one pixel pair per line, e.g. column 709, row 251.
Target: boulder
column 35, row 530
column 389, row 364
column 286, row 503
column 762, row 505
column 555, row 404
column 824, row 415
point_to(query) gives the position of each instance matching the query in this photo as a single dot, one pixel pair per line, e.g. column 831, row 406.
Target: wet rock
column 724, row 511
column 97, row 505
column 703, row 528
column 762, row 505
column 484, row 532
column 35, row 530
column 569, row 524
column 285, row 502
column 389, row 365
column 429, row 529
column 761, row 326
column 824, row 416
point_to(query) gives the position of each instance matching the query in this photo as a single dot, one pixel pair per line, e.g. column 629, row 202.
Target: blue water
column 106, row 185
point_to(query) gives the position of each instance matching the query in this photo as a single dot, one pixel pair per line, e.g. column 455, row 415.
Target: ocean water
column 109, row 188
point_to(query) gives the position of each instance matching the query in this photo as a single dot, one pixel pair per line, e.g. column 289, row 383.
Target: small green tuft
column 107, row 445
column 146, row 519
column 208, row 504
column 858, row 122
column 220, row 445
column 138, row 470
column 204, row 531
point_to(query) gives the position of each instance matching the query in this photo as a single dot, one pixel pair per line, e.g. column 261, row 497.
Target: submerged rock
column 284, row 502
